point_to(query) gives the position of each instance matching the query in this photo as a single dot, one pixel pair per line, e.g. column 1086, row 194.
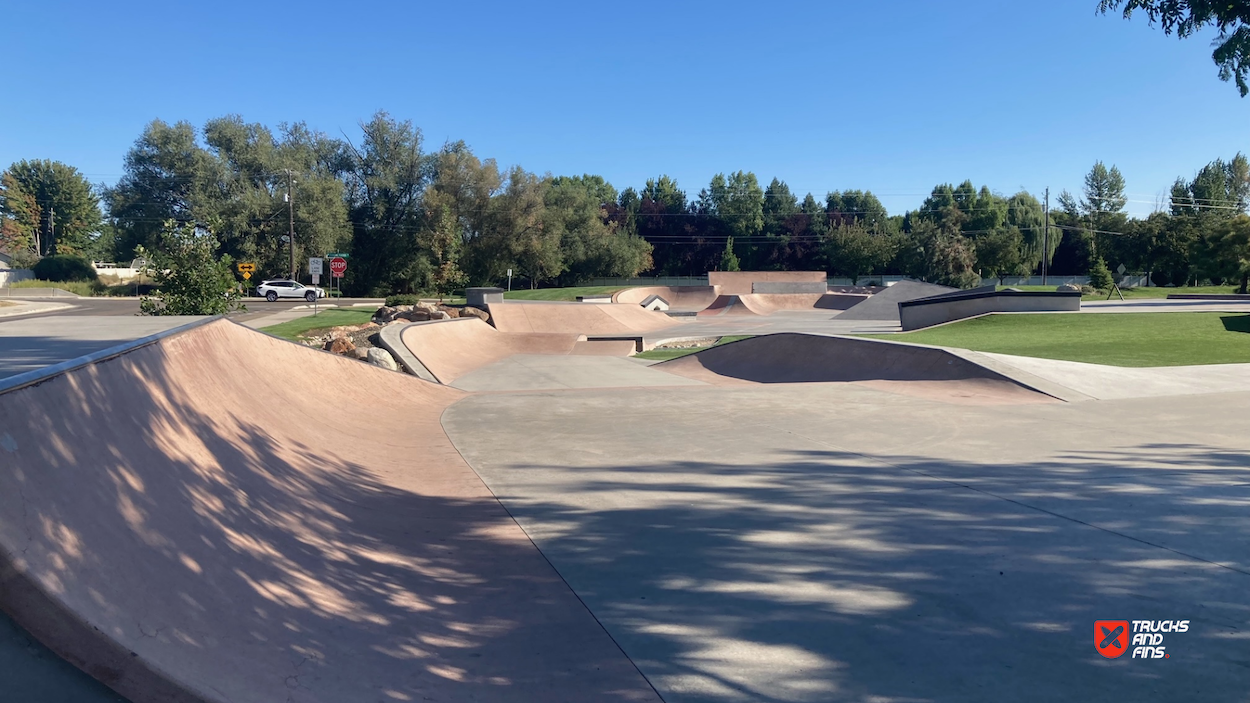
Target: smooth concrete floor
column 825, row 542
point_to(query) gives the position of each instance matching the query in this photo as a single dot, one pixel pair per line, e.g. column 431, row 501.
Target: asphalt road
column 95, row 307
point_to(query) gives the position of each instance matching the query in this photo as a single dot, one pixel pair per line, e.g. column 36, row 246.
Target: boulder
column 1069, row 288
column 415, row 316
column 362, row 353
column 453, row 313
column 340, row 345
column 475, row 312
column 439, row 315
column 383, row 358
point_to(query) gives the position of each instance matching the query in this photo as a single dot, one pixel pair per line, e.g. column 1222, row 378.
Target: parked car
column 284, row 288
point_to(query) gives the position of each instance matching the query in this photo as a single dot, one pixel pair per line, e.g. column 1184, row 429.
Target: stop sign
column 337, row 266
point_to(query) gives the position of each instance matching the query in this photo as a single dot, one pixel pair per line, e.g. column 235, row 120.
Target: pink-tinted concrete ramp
column 726, row 305
column 451, row 348
column 576, row 318
column 219, row 515
column 769, row 303
column 900, row 368
column 683, row 298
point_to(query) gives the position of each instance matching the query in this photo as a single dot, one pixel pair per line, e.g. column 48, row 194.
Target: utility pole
column 1046, row 235
column 290, row 210
column 51, row 229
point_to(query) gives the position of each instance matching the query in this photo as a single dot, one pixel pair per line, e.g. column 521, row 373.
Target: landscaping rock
column 415, row 315
column 1068, row 288
column 362, row 353
column 383, row 358
column 453, row 313
column 439, row 315
column 475, row 312
column 340, row 345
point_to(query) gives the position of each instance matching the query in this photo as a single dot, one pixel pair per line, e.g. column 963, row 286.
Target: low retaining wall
column 789, row 287
column 935, row 310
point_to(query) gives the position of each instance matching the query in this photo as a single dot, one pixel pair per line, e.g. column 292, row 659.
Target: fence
column 9, row 276
column 650, row 281
column 1129, row 281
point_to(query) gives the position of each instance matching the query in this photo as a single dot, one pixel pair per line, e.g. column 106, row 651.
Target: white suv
column 283, row 288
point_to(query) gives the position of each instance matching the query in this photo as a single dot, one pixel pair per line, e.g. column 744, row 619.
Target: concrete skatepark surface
column 737, row 538
column 884, row 305
column 190, row 535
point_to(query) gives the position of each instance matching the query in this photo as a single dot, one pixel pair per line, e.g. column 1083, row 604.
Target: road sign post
column 509, row 279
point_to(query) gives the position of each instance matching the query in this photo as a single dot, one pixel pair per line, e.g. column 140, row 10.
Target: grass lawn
column 1141, row 293
column 666, row 354
column 560, row 293
column 332, row 317
column 1116, row 339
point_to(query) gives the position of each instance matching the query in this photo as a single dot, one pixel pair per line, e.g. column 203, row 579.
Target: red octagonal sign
column 337, row 266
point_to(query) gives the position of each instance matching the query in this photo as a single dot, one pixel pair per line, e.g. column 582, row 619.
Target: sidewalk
column 296, row 313
column 9, row 308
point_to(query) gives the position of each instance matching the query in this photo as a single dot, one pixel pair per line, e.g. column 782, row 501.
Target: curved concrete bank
column 804, row 358
column 452, row 348
column 576, row 318
column 678, row 297
column 186, row 527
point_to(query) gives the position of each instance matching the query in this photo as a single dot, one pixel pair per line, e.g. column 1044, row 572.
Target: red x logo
column 1111, row 637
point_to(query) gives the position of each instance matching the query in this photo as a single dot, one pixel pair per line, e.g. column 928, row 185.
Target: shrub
column 1100, row 275
column 63, row 267
column 403, row 299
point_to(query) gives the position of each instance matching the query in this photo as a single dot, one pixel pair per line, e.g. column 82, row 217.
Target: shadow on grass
column 1236, row 323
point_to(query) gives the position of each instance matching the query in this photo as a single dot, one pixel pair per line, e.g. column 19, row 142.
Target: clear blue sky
column 892, row 96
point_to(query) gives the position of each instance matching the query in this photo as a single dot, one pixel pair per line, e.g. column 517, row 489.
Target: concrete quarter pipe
column 294, row 528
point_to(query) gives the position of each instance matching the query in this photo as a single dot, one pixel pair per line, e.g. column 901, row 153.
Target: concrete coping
column 391, row 338
column 30, row 378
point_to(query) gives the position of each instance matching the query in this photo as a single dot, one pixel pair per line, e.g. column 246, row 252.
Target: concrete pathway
column 29, row 344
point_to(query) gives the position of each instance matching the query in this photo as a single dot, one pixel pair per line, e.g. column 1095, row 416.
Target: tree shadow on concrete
column 245, row 551
column 826, row 575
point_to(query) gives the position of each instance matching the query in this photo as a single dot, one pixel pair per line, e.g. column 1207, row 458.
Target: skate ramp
column 743, row 282
column 726, row 305
column 803, row 358
column 219, row 515
column 884, row 305
column 576, row 318
column 769, row 303
column 451, row 348
column 679, row 298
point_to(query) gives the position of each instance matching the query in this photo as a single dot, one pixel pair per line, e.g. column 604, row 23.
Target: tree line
column 433, row 220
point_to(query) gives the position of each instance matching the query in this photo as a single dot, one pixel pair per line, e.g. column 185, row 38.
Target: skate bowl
column 805, row 358
column 769, row 303
column 576, row 318
column 743, row 282
column 451, row 348
column 197, row 530
column 679, row 298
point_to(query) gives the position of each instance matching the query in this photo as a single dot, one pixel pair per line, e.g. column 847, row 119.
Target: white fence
column 8, row 276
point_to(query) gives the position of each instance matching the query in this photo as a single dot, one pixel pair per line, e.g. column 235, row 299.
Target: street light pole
column 290, row 209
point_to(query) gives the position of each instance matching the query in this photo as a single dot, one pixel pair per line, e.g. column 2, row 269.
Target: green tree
column 1001, row 253
column 852, row 250
column 1225, row 251
column 1220, row 189
column 386, row 179
column 1100, row 275
column 190, row 278
column 48, row 208
column 592, row 244
column 1185, row 17
column 729, row 260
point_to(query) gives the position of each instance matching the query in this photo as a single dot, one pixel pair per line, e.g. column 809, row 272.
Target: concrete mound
column 219, row 516
column 884, row 305
column 451, row 348
column 804, row 358
column 576, row 318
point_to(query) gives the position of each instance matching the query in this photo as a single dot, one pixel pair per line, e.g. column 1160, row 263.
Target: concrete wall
column 789, row 287
column 481, row 297
column 926, row 312
column 742, row 282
